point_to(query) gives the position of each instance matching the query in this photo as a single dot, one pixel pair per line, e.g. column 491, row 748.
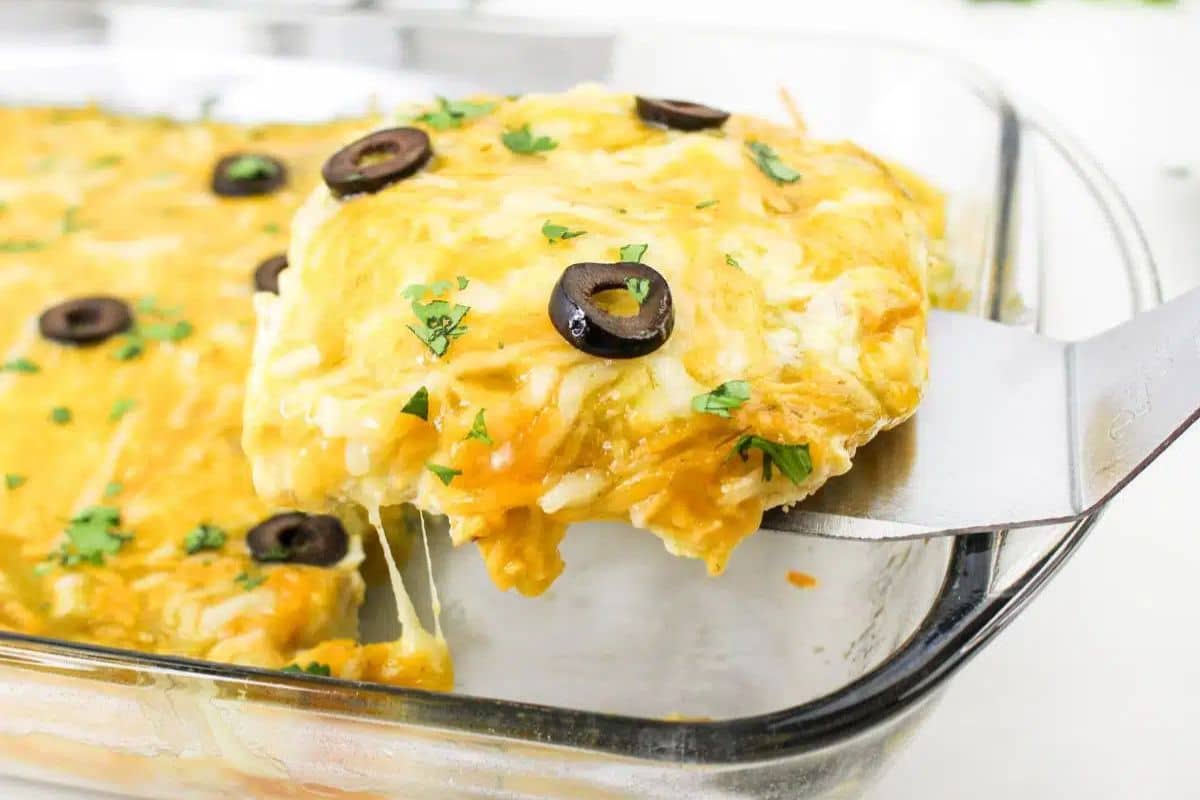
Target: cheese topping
column 92, row 203
column 814, row 292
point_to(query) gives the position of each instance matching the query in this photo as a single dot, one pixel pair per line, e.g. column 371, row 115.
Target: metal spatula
column 1017, row 430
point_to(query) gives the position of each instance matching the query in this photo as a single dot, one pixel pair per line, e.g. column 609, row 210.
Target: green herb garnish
column 444, row 474
column 149, row 305
column 131, row 347
column 21, row 246
column 731, row 261
column 313, row 668
column 113, row 488
column 418, row 404
column 479, row 430
column 729, row 395
column 91, row 535
column 166, row 331
column 793, row 460
column 248, row 581
column 271, row 228
column 523, row 142
column 250, row 167
column 440, row 322
column 633, row 252
column 120, row 408
column 557, row 233
column 463, row 282
column 639, row 288
column 70, row 221
column 452, row 113
column 60, row 415
column 275, row 552
column 20, row 365
column 13, row 481
column 103, row 162
column 203, row 537
column 707, row 204
column 769, row 162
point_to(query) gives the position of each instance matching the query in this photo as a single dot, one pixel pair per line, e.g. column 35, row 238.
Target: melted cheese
column 146, row 224
column 815, row 292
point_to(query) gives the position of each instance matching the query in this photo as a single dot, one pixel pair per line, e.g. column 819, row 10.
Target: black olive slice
column 247, row 175
column 266, row 276
column 85, row 320
column 680, row 114
column 298, row 538
column 589, row 328
column 377, row 160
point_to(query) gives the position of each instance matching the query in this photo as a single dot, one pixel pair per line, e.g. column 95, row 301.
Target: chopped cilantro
column 271, row 228
column 731, row 261
column 131, row 347
column 167, row 331
column 203, row 537
column 13, row 481
column 70, row 221
column 110, row 160
column 20, row 365
column 91, row 535
column 639, row 288
column 769, row 162
column 707, row 204
column 313, row 668
column 250, row 167
column 793, row 460
column 60, row 415
column 557, row 233
column 439, row 322
column 444, row 474
column 149, row 305
column 21, row 245
column 633, row 252
column 43, row 568
column 478, row 431
column 729, row 395
column 120, row 408
column 113, row 488
column 418, row 404
column 276, row 552
column 451, row 113
column 523, row 142
column 463, row 282
column 248, row 582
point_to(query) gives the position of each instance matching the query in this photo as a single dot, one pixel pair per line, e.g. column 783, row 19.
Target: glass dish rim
column 964, row 616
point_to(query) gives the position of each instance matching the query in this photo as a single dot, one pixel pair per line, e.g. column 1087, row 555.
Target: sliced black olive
column 377, row 160
column 680, row 114
column 589, row 328
column 247, row 175
column 266, row 276
column 298, row 538
column 85, row 320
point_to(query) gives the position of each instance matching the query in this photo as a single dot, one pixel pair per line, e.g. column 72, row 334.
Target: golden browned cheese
column 814, row 291
column 92, row 203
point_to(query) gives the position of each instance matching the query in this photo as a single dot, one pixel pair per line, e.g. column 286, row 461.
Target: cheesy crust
column 92, row 203
column 815, row 292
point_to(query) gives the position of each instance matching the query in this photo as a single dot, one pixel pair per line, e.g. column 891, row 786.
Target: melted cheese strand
column 93, row 489
column 413, row 636
column 434, row 600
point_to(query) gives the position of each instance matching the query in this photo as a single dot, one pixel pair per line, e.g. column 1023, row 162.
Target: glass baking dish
column 635, row 675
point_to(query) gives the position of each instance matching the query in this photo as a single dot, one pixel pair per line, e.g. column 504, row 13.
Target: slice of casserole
column 527, row 312
column 129, row 255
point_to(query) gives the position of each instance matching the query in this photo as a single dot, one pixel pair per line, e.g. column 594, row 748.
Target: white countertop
column 1092, row 692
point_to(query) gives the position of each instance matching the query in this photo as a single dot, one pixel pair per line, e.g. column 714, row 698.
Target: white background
column 1094, row 692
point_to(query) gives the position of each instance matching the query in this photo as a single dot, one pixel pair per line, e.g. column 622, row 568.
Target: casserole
column 803, row 692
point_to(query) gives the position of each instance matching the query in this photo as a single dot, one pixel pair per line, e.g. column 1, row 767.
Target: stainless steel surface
column 1018, row 430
